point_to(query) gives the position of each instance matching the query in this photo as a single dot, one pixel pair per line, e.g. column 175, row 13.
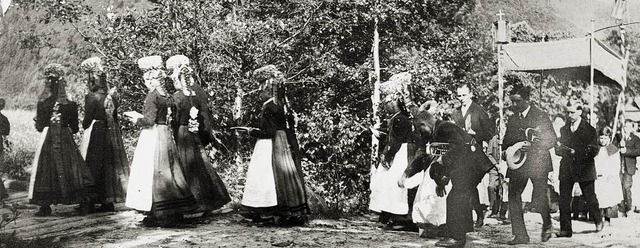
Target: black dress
column 104, row 151
column 290, row 195
column 204, row 182
column 59, row 174
column 156, row 183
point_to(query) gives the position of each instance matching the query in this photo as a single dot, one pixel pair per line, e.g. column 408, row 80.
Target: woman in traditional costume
column 102, row 145
column 192, row 132
column 275, row 185
column 394, row 205
column 157, row 185
column 59, row 174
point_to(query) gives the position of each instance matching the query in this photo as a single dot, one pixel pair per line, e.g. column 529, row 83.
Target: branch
column 84, row 37
column 304, row 26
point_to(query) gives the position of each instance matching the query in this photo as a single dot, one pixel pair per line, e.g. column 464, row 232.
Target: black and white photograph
column 319, row 123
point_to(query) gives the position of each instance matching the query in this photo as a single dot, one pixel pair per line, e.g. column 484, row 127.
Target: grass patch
column 16, row 162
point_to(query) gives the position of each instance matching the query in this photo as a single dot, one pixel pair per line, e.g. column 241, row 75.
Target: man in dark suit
column 578, row 145
column 472, row 118
column 629, row 150
column 537, row 166
column 463, row 165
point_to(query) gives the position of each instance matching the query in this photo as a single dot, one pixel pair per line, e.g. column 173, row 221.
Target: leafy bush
column 324, row 50
column 16, row 161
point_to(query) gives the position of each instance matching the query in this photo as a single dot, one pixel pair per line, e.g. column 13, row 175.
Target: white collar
column 464, row 109
column 575, row 125
column 525, row 112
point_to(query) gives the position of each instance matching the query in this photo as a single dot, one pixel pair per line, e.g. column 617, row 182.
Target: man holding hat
column 536, row 167
column 578, row 145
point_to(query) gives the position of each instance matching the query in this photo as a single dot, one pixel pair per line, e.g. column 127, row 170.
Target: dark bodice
column 182, row 106
column 273, row 118
column 400, row 131
column 155, row 109
column 68, row 114
column 94, row 108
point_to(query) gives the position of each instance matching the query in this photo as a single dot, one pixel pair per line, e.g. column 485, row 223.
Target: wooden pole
column 591, row 87
column 375, row 98
column 500, row 97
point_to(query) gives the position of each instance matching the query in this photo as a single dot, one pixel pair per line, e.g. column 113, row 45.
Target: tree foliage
column 324, row 49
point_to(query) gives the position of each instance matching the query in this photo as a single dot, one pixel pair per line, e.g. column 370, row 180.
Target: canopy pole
column 619, row 108
column 500, row 97
column 591, row 87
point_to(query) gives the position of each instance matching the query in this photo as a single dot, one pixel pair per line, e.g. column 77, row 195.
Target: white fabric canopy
column 566, row 58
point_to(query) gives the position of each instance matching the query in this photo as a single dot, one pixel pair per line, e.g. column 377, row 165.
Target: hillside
column 19, row 67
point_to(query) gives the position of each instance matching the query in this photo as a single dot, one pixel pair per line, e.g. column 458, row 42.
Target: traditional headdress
column 93, row 64
column 150, row 63
column 263, row 74
column 152, row 67
column 397, row 88
column 179, row 64
column 177, row 61
column 54, row 70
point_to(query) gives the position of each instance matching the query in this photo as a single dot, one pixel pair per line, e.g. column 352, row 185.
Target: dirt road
column 123, row 229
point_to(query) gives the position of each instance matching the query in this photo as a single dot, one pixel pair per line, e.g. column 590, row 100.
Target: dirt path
column 123, row 229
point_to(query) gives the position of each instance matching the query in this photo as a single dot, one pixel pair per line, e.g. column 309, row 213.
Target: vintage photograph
column 319, row 123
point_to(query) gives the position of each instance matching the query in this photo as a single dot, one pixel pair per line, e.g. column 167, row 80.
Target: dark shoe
column 599, row 226
column 546, row 233
column 636, row 210
column 44, row 211
column 502, row 217
column 518, row 240
column 479, row 222
column 564, row 234
column 427, row 230
column 86, row 206
column 450, row 242
column 150, row 221
column 106, row 207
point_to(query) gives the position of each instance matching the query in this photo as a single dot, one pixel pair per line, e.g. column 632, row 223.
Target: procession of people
column 433, row 172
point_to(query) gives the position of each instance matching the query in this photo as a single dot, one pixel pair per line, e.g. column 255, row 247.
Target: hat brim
column 515, row 156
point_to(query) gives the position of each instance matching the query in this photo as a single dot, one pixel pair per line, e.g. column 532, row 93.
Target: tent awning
column 566, row 58
column 632, row 110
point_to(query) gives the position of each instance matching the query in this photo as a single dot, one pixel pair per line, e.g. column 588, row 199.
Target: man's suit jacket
column 480, row 122
column 580, row 166
column 538, row 163
column 628, row 159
